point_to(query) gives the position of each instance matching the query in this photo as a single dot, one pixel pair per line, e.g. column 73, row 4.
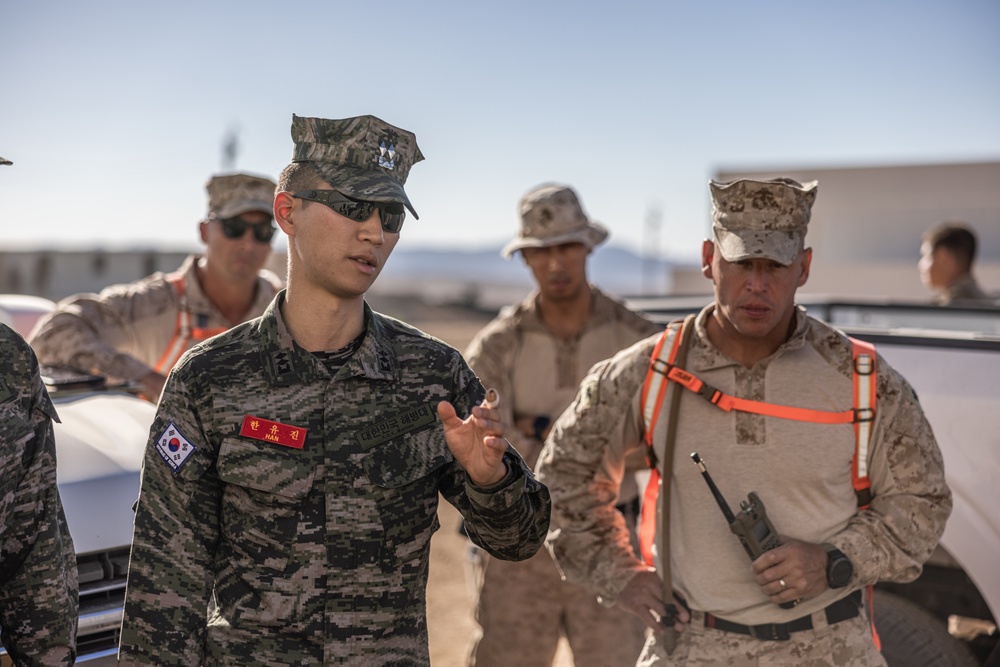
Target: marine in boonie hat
column 552, row 215
column 761, row 219
column 233, row 194
column 362, row 157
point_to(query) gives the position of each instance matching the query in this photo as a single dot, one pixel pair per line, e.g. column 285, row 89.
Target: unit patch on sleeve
column 173, row 447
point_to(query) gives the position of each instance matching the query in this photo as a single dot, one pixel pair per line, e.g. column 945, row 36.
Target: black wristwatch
column 839, row 568
column 541, row 423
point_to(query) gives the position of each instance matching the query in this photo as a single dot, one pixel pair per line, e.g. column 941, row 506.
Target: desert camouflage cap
column 552, row 215
column 765, row 219
column 362, row 157
column 232, row 194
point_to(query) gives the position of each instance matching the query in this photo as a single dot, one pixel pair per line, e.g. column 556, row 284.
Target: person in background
column 831, row 438
column 38, row 575
column 535, row 354
column 290, row 487
column 947, row 254
column 136, row 332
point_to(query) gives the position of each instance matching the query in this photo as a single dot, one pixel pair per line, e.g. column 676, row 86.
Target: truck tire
column 913, row 637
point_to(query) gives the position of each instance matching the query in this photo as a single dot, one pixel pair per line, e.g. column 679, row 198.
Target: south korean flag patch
column 173, row 447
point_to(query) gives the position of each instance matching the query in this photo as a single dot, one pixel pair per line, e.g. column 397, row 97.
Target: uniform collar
column 601, row 310
column 285, row 363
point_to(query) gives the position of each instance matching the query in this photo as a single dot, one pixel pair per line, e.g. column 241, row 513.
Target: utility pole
column 651, row 249
column 230, row 148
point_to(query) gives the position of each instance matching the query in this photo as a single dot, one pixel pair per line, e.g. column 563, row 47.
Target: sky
column 115, row 113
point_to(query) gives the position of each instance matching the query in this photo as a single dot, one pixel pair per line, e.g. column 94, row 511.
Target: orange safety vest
column 662, row 370
column 184, row 333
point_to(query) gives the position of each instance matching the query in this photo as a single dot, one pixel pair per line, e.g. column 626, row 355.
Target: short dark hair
column 955, row 237
column 299, row 176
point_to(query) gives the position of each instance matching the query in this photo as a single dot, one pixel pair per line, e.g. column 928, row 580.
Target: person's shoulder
column 628, row 317
column 406, row 337
column 15, row 351
column 223, row 350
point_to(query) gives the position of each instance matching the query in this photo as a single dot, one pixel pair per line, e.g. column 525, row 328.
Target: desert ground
column 450, row 610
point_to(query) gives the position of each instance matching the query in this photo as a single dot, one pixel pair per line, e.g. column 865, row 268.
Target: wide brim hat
column 362, row 157
column 552, row 215
column 761, row 219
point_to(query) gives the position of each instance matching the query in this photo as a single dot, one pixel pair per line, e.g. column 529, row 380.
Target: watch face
column 840, row 571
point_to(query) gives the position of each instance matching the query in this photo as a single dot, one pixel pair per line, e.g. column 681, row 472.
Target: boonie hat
column 552, row 215
column 761, row 219
column 362, row 157
column 232, row 194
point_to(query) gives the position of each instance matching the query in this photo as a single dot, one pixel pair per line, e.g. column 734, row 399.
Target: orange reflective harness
column 663, row 369
column 184, row 333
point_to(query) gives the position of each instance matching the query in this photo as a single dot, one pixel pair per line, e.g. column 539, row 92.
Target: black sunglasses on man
column 391, row 214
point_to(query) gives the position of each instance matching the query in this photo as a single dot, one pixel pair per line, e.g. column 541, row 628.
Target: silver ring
column 781, row 582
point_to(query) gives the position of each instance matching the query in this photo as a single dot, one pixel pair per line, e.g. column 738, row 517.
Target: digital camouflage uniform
column 319, row 554
column 124, row 331
column 802, row 472
column 537, row 373
column 38, row 575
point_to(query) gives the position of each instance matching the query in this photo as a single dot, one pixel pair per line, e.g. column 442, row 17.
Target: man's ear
column 284, row 204
column 807, row 256
column 203, row 231
column 707, row 254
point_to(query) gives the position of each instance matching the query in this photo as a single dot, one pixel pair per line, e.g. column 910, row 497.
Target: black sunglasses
column 390, row 213
column 234, row 228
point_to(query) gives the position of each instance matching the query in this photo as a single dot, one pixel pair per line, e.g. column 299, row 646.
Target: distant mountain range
column 484, row 278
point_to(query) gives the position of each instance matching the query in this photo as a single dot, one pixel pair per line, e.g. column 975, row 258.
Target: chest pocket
column 262, row 502
column 405, row 473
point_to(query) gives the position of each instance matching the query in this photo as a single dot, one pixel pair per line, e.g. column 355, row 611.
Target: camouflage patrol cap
column 362, row 157
column 552, row 215
column 232, row 194
column 765, row 219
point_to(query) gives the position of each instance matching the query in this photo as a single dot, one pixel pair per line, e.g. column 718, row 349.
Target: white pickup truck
column 951, row 356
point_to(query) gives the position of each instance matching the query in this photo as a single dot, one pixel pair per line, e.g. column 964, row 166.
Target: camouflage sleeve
column 176, row 530
column 38, row 575
column 87, row 331
column 582, row 463
column 509, row 520
column 892, row 539
column 488, row 356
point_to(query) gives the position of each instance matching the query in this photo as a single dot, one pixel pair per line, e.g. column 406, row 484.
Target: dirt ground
column 450, row 612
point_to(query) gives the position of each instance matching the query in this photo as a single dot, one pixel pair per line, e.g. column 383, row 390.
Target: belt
column 841, row 610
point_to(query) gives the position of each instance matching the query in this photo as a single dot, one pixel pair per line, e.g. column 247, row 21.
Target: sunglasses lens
column 359, row 211
column 233, row 228
column 263, row 233
column 392, row 216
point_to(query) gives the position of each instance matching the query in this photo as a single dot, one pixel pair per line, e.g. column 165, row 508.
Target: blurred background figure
column 535, row 354
column 947, row 254
column 136, row 332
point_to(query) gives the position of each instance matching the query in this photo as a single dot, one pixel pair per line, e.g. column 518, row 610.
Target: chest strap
column 185, row 335
column 663, row 369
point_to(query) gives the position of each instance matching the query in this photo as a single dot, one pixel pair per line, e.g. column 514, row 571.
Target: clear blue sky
column 114, row 112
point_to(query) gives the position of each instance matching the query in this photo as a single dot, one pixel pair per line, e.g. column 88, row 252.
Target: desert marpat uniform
column 539, row 374
column 802, row 472
column 126, row 330
column 316, row 555
column 38, row 575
